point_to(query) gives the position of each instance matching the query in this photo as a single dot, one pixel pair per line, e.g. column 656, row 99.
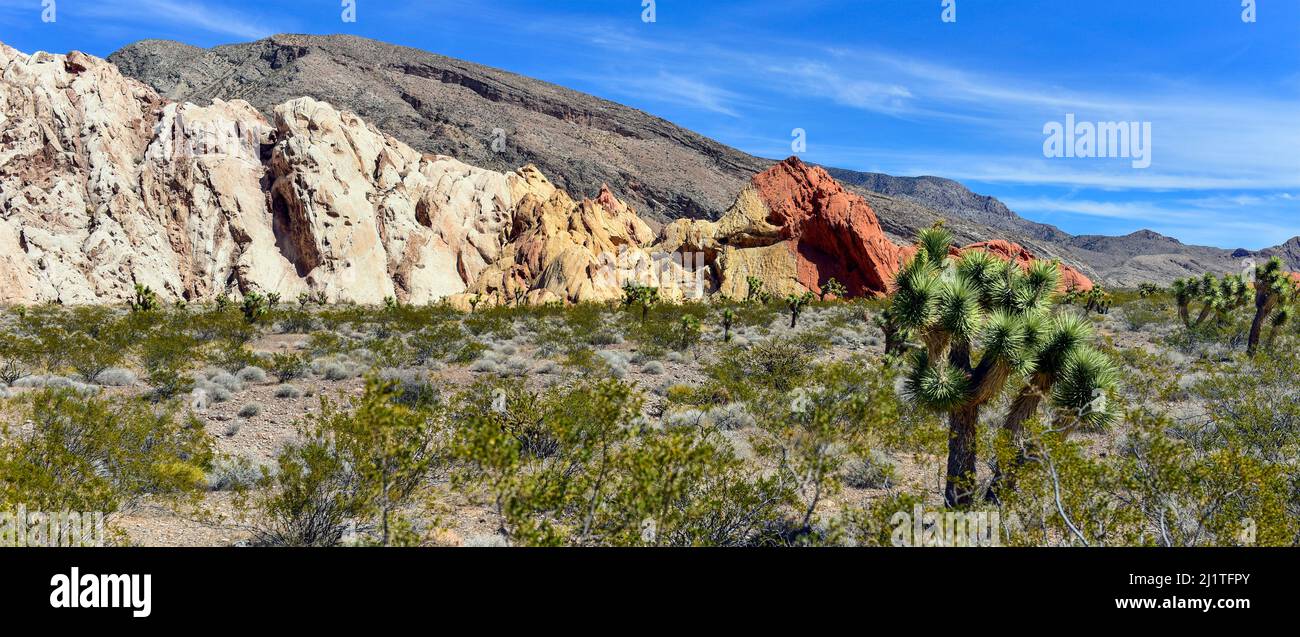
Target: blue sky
column 880, row 85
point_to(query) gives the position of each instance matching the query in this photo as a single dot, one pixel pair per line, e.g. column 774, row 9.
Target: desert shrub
column 232, row 473
column 90, row 356
column 485, row 366
column 287, row 366
column 732, row 416
column 653, row 368
column 1139, row 314
column 871, row 471
column 337, row 371
column 296, row 321
column 605, row 482
column 250, row 410
column 252, row 375
column 116, row 377
column 232, row 356
column 809, row 432
column 327, row 344
column 92, row 454
column 226, row 380
column 354, row 466
column 18, row 355
column 743, row 373
column 412, row 388
column 166, row 358
column 468, row 352
column 288, row 391
column 434, row 343
column 232, row 428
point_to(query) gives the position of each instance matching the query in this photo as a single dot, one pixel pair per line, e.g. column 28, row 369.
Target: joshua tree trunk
column 1262, row 309
column 962, row 425
column 1022, row 409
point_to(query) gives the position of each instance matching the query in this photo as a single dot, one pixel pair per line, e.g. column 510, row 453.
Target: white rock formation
column 103, row 185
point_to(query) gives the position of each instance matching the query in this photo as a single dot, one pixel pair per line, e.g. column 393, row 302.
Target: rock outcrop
column 794, row 228
column 105, row 185
column 561, row 250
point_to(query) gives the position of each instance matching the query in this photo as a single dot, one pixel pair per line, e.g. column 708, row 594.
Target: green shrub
column 93, row 454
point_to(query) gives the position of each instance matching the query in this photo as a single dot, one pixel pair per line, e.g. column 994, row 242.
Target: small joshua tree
column 254, row 306
column 834, row 288
column 688, row 331
column 895, row 336
column 1276, row 293
column 474, row 301
column 642, row 296
column 796, row 303
column 145, row 300
column 755, row 292
column 728, row 317
column 1147, row 290
column 980, row 321
column 1218, row 297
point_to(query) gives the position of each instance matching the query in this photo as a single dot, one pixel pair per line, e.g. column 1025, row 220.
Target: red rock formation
column 1071, row 279
column 834, row 233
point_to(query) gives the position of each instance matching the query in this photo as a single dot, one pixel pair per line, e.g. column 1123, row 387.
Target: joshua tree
column 1065, row 369
column 796, row 303
column 474, row 301
column 145, row 300
column 1218, row 297
column 727, row 318
column 833, row 288
column 1276, row 292
column 979, row 320
column 254, row 306
column 642, row 296
column 755, row 292
column 895, row 336
column 1146, row 290
column 688, row 331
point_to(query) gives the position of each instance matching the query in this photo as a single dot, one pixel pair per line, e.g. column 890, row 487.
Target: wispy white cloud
column 671, row 88
column 188, row 14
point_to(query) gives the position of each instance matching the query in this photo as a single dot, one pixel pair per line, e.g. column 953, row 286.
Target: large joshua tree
column 981, row 321
column 1276, row 293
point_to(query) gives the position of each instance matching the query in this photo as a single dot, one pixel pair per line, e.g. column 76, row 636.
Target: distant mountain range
column 500, row 120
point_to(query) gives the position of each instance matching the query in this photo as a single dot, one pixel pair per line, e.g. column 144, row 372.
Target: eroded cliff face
column 104, row 185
